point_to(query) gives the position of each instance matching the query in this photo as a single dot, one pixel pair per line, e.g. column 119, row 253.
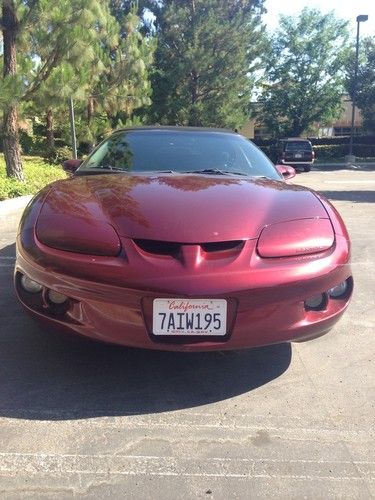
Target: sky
column 345, row 9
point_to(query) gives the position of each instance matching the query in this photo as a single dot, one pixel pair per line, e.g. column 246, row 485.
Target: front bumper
column 111, row 298
column 297, row 162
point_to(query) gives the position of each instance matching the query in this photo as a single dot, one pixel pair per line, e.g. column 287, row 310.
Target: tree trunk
column 11, row 144
column 10, row 124
column 297, row 128
column 50, row 134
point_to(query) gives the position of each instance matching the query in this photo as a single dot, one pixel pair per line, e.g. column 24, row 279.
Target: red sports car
column 182, row 239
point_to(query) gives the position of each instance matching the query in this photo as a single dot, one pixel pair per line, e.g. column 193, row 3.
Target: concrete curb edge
column 14, row 204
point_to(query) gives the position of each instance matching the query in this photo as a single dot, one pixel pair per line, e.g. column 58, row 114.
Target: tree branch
column 27, row 15
column 43, row 73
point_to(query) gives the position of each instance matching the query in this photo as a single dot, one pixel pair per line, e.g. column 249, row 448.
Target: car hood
column 186, row 208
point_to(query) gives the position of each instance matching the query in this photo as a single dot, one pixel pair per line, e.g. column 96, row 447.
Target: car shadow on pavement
column 354, row 196
column 46, row 376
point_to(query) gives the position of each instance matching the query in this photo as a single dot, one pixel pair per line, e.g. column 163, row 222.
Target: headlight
column 76, row 234
column 297, row 237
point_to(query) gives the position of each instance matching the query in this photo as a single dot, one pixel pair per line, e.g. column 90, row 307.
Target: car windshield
column 179, row 151
column 298, row 146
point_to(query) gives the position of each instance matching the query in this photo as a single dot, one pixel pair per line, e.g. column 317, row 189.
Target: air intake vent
column 159, row 247
column 172, row 248
column 221, row 246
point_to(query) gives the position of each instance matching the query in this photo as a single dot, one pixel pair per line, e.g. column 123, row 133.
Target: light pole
column 360, row 19
column 72, row 128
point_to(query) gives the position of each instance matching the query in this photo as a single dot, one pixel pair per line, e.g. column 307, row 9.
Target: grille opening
column 221, row 246
column 173, row 248
column 159, row 247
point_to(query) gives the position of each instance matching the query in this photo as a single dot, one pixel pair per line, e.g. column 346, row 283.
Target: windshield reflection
column 160, row 150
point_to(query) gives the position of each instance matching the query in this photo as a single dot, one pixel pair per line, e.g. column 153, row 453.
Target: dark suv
column 296, row 152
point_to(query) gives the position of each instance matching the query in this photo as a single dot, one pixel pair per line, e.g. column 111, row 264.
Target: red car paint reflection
column 103, row 245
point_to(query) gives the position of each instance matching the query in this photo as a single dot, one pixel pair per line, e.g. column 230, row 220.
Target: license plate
column 189, row 317
column 298, row 155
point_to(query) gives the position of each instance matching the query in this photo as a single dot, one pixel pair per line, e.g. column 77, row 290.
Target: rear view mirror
column 71, row 166
column 286, row 171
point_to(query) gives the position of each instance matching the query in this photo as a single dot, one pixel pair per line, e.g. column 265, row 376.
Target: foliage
column 357, row 139
column 63, row 41
column 59, row 154
column 196, row 62
column 38, row 174
column 77, row 48
column 326, row 152
column 336, row 151
column 304, row 74
column 324, row 141
column 365, row 88
column 207, row 53
column 65, row 31
column 123, row 85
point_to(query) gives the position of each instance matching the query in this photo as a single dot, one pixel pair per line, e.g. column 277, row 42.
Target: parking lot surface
column 78, row 418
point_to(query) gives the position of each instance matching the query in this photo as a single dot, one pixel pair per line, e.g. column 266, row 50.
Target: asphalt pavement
column 78, row 418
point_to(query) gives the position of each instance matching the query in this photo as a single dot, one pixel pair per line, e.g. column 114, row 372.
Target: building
column 253, row 129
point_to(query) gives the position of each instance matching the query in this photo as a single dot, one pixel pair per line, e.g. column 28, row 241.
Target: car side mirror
column 71, row 166
column 286, row 171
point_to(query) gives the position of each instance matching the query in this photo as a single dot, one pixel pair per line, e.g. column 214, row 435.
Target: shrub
column 327, row 148
column 34, row 145
column 59, row 155
column 357, row 139
column 38, row 173
column 335, row 151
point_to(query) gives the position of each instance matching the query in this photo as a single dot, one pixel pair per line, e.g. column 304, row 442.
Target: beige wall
column 248, row 129
column 345, row 119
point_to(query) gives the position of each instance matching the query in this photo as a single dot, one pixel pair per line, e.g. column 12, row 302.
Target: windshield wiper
column 215, row 171
column 158, row 172
column 100, row 169
column 108, row 167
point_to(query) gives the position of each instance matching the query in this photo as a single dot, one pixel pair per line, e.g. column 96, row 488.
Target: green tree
column 124, row 85
column 304, row 74
column 208, row 51
column 38, row 35
column 118, row 83
column 50, row 102
column 365, row 88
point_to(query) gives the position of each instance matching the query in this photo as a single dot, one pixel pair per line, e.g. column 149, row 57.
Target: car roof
column 170, row 128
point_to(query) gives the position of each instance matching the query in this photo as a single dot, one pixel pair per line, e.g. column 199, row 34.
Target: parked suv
column 296, row 152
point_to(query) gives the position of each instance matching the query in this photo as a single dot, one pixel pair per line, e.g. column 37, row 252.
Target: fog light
column 30, row 285
column 316, row 303
column 338, row 290
column 56, row 297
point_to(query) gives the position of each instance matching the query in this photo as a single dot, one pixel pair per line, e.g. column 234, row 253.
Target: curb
column 14, row 204
column 342, row 166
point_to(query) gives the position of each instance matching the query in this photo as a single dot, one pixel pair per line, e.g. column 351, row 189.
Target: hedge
column 38, row 173
column 323, row 141
column 330, row 149
column 357, row 139
column 334, row 151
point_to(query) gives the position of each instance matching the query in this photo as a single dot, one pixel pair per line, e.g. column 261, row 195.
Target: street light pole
column 360, row 19
column 72, row 128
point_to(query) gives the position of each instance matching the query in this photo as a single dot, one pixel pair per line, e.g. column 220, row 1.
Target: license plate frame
column 183, row 317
